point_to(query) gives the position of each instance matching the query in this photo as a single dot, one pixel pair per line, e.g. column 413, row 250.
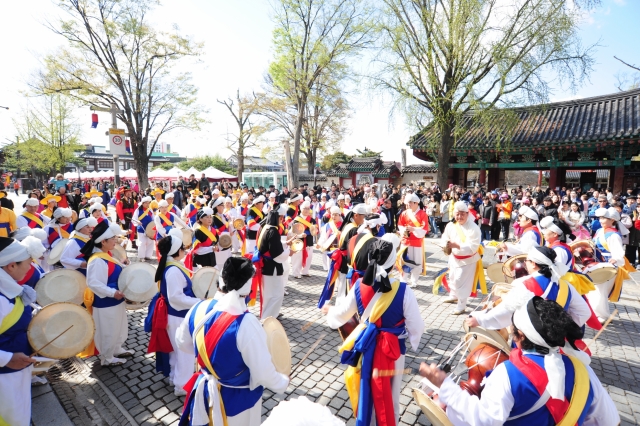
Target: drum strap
column 180, row 266
column 142, row 216
column 344, row 233
column 412, row 218
column 166, row 220
column 358, row 247
column 303, row 221
column 14, row 316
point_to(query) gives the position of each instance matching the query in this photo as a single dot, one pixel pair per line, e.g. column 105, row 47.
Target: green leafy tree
column 114, row 56
column 331, row 160
column 313, row 39
column 201, row 163
column 34, row 156
column 444, row 58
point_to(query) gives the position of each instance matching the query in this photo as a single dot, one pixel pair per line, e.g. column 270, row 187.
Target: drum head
column 61, row 285
column 134, row 306
column 52, row 320
column 603, row 274
column 297, row 245
column 477, row 335
column 74, row 216
column 187, row 237
column 150, row 230
column 56, row 252
column 238, row 224
column 500, row 289
column 119, row 253
column 224, row 241
column 205, row 282
column 430, row 408
column 137, row 282
column 510, row 264
column 297, row 228
column 278, row 345
column 494, row 272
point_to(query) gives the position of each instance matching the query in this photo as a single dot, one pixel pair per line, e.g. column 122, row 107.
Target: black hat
column 236, row 272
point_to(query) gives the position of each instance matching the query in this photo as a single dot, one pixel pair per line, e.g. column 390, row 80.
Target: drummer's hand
column 433, row 373
column 471, row 322
column 325, row 309
column 612, row 261
column 126, row 261
column 19, row 361
column 118, row 295
column 453, row 245
column 409, row 228
column 83, row 265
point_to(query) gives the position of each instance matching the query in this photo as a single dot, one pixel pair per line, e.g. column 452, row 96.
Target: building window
column 105, row 164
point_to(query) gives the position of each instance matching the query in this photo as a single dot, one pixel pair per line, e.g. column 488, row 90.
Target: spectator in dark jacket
column 178, row 197
column 550, row 209
column 204, row 182
column 495, row 223
column 387, row 210
column 487, row 216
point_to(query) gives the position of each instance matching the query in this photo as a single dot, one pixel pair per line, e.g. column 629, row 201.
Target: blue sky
column 237, row 37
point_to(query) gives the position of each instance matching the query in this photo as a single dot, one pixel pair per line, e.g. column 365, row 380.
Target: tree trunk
column 287, row 161
column 240, row 164
column 444, row 153
column 311, row 161
column 140, row 159
column 296, row 145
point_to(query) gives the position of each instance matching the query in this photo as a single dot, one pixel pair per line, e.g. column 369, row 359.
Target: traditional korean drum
column 205, row 282
column 278, row 344
column 56, row 252
column 61, row 285
column 137, row 282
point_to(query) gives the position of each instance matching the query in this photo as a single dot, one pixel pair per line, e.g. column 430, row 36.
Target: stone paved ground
column 147, row 397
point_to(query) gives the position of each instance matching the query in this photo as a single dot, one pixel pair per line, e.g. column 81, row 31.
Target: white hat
column 216, row 191
column 217, row 202
column 24, row 232
column 62, row 212
column 14, row 252
column 613, row 214
column 146, row 199
column 296, row 198
column 411, row 198
column 305, row 205
column 88, row 221
column 201, row 200
column 113, row 231
column 359, row 209
column 282, row 209
column 347, row 196
column 244, row 196
column 323, row 195
column 260, row 199
column 341, row 197
column 32, row 202
column 528, row 212
column 460, row 206
column 176, row 240
column 206, row 211
column 272, row 195
column 601, row 212
column 228, row 200
column 169, row 195
column 163, row 203
column 335, row 210
column 96, row 206
column 547, row 223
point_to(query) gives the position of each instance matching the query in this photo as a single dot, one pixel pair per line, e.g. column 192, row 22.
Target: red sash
column 159, row 340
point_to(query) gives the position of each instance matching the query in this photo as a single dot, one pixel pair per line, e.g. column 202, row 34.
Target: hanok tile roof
column 309, row 178
column 373, row 165
column 614, row 116
column 419, row 168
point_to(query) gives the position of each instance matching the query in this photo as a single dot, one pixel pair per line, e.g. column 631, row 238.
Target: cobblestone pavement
column 147, row 397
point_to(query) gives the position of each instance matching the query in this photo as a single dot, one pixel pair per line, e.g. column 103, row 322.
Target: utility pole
column 114, row 126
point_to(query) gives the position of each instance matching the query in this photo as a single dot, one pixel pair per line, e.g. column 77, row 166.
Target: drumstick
column 52, row 340
column 311, row 349
column 604, row 326
column 386, row 373
column 209, row 286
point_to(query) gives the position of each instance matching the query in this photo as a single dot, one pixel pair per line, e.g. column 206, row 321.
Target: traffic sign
column 116, row 142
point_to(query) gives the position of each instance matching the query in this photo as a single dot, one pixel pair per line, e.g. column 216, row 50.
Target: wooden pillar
column 553, row 177
column 451, row 176
column 618, row 179
column 540, row 178
column 561, row 177
column 463, row 177
column 482, row 176
column 501, row 178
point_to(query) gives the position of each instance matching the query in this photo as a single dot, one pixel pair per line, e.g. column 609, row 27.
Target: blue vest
column 112, row 282
column 227, row 362
column 166, row 227
column 599, row 238
column 525, row 394
column 188, row 291
column 145, row 220
column 80, row 256
column 393, row 318
column 15, row 338
column 38, row 272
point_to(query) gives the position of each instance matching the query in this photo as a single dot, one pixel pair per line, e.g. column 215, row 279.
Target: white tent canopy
column 191, row 171
column 129, row 174
column 213, row 173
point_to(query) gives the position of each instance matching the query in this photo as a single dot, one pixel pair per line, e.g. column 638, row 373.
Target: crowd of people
column 372, row 242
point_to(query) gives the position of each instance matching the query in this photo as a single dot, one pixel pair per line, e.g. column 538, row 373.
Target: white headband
column 14, row 252
column 114, row 230
column 359, row 209
column 62, row 212
column 163, row 203
column 536, row 256
column 547, row 223
column 528, row 212
column 88, row 221
column 32, row 202
column 146, row 199
column 460, row 206
column 176, row 240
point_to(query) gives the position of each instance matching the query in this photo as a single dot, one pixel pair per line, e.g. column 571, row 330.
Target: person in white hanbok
column 109, row 312
column 462, row 237
column 531, row 235
column 15, row 316
column 237, row 366
column 72, row 258
column 541, row 329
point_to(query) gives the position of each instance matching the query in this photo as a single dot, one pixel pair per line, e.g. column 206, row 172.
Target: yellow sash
column 303, row 221
column 201, row 312
column 33, row 217
column 581, row 283
column 358, row 247
column 413, row 219
column 345, row 231
column 143, row 215
column 187, row 272
column 581, row 386
column 334, row 228
column 14, row 316
column 258, row 212
column 352, row 374
column 622, row 270
column 63, row 233
column 208, row 233
column 79, row 236
column 165, row 219
column 104, row 256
